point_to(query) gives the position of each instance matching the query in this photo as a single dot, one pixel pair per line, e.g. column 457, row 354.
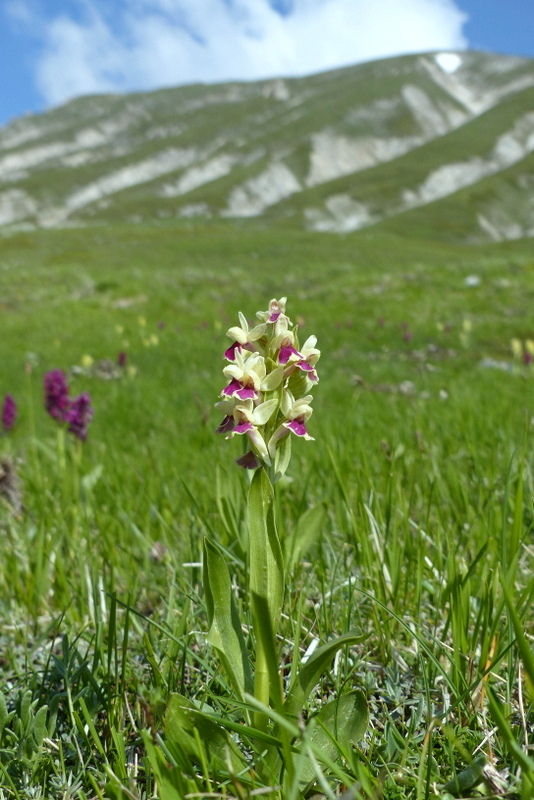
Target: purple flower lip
column 9, row 413
column 232, row 388
column 236, row 389
column 230, row 353
column 305, row 367
column 243, row 427
column 286, row 351
column 297, row 426
column 248, row 461
column 226, row 426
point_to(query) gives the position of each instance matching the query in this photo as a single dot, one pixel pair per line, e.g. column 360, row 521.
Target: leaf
column 223, row 619
column 527, row 655
column 39, row 725
column 264, row 632
column 172, row 785
column 342, row 721
column 306, row 533
column 182, row 719
column 526, row 763
column 24, row 713
column 3, row 713
column 266, row 569
column 469, row 777
column 309, row 673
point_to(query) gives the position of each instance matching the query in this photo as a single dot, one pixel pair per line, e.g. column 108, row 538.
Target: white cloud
column 151, row 43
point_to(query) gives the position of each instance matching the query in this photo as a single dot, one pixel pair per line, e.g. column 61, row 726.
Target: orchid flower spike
column 266, row 397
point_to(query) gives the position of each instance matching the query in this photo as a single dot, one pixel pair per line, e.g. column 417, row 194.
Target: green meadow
column 406, row 526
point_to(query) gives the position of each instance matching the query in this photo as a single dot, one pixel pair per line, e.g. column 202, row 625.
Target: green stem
column 261, row 685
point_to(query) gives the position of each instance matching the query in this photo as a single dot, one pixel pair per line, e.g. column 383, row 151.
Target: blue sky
column 53, row 50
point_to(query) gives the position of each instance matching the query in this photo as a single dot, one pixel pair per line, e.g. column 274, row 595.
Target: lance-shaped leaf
column 266, row 569
column 223, row 619
column 310, row 672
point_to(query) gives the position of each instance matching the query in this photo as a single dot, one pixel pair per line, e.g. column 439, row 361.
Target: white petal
column 264, row 411
column 233, row 371
column 288, row 401
column 246, row 409
column 258, row 367
column 237, row 334
column 257, row 440
column 310, row 343
column 279, row 432
column 273, row 380
column 256, row 332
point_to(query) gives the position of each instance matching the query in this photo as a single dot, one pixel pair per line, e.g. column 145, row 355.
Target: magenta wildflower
column 79, row 415
column 121, row 359
column 9, row 413
column 56, row 393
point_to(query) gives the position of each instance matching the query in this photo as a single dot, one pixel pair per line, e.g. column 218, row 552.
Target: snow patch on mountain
column 448, row 62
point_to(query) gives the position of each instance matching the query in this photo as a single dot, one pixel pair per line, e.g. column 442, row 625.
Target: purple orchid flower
column 9, row 413
column 56, row 393
column 79, row 415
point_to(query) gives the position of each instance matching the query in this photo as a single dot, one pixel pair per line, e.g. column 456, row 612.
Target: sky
column 54, row 50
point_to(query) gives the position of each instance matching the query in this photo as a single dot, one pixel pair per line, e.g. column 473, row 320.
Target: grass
column 409, row 519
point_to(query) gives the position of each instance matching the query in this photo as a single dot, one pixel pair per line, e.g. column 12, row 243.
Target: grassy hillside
column 333, row 152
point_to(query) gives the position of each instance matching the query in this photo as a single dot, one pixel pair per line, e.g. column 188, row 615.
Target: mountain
column 440, row 142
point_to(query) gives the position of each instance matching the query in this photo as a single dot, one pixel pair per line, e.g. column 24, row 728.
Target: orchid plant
column 267, row 401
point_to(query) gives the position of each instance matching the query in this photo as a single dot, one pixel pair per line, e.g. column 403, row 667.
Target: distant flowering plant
column 9, row 413
column 56, row 394
column 77, row 413
column 269, row 377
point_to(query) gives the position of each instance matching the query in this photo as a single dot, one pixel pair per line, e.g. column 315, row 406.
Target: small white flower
column 243, row 334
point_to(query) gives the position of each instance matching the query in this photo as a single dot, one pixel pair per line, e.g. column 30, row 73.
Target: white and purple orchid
column 275, row 312
column 243, row 337
column 257, row 401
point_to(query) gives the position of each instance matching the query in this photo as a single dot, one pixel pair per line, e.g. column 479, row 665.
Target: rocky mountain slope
column 440, row 141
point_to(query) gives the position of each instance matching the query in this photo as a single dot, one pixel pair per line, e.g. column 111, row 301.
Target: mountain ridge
column 334, row 152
